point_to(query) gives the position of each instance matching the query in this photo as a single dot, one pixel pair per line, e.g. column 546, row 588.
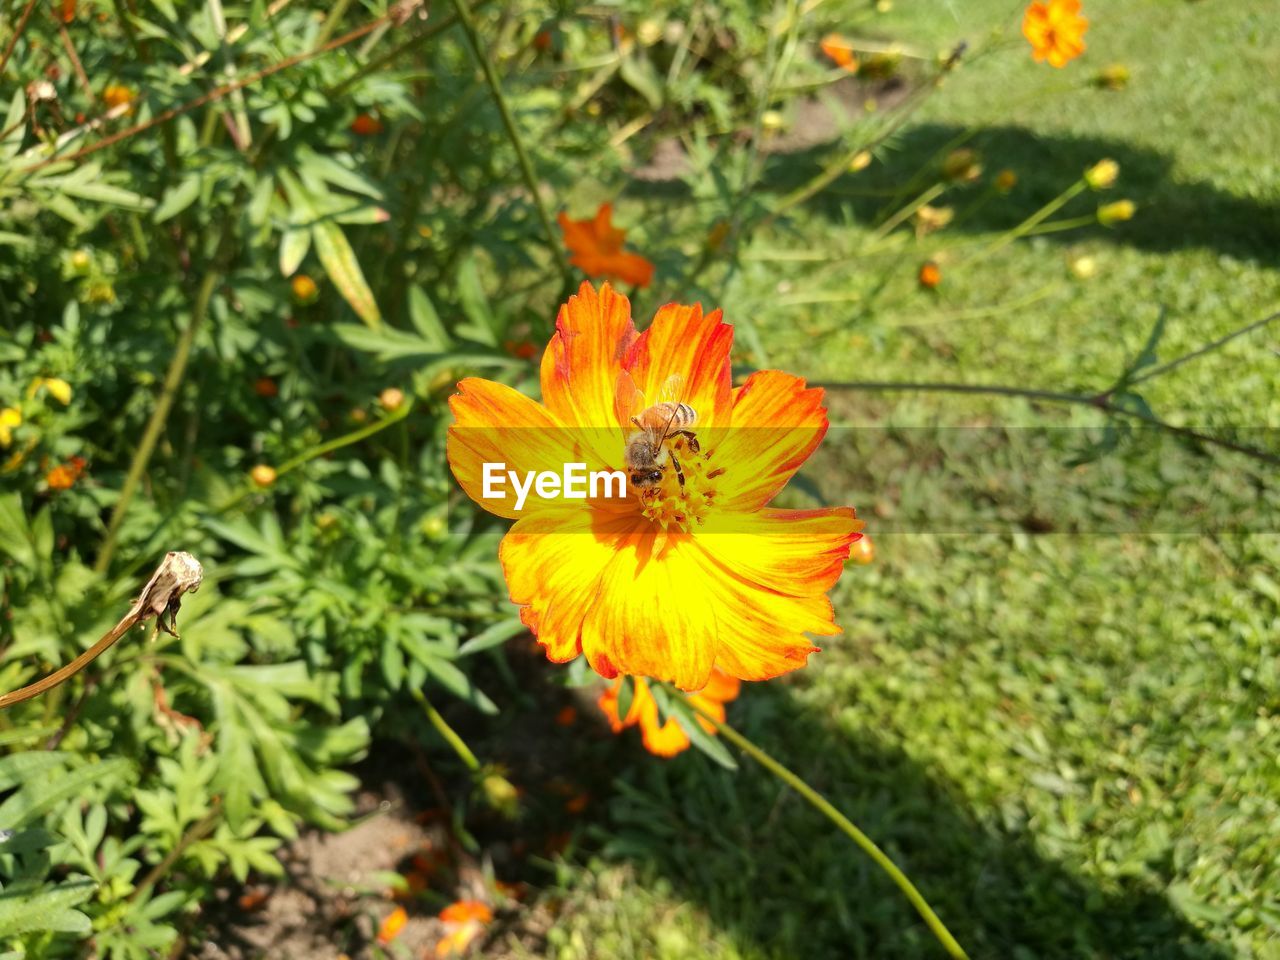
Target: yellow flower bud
column 263, row 475
column 1116, row 212
column 10, row 417
column 1102, row 174
column 304, row 288
column 771, row 121
column 861, row 160
column 60, row 390
column 1006, row 180
column 391, row 399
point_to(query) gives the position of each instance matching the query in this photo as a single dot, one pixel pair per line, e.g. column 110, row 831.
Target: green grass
column 1068, row 741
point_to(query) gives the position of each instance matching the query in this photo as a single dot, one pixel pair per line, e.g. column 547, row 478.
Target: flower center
column 673, row 505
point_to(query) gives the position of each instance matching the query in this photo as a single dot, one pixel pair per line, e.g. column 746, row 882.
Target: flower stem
column 526, row 167
column 827, row 809
column 151, row 435
column 450, row 735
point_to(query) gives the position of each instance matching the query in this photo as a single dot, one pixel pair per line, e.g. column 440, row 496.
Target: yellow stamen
column 674, row 507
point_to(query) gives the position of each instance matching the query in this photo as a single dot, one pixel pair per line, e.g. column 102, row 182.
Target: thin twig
column 1209, row 347
column 179, row 573
column 17, row 32
column 450, row 735
column 159, row 416
column 1098, row 401
column 526, row 167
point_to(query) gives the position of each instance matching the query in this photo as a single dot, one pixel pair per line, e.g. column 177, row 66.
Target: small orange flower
column 577, row 803
column 1055, row 31
column 115, row 95
column 60, row 478
column 667, row 739
column 542, row 41
column 596, row 248
column 567, row 716
column 837, row 48
column 864, row 551
column 304, row 288
column 68, row 10
column 392, row 925
column 366, row 125
column 930, row 275
column 265, row 387
column 463, row 922
column 678, row 573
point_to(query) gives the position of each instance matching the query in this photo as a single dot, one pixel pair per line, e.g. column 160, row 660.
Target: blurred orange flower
column 304, row 288
column 392, row 925
column 463, row 922
column 596, row 248
column 864, row 551
column 667, row 739
column 688, row 570
column 265, row 387
column 837, row 48
column 115, row 95
column 567, row 716
column 65, row 475
column 1055, row 31
column 366, row 125
column 930, row 275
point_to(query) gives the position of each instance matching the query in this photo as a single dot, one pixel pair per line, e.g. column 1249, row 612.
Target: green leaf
column 15, row 536
column 493, row 636
column 459, row 684
column 23, row 910
column 340, row 263
column 482, row 326
column 105, row 193
column 177, row 198
column 38, row 796
column 423, row 316
column 708, row 743
column 294, row 244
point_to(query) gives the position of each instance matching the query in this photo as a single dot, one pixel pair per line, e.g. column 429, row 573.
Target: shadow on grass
column 1172, row 214
column 779, row 880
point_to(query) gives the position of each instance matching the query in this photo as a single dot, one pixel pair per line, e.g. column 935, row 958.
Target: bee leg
column 675, row 462
column 691, row 437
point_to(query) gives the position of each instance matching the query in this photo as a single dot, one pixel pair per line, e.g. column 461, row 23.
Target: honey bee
column 648, row 450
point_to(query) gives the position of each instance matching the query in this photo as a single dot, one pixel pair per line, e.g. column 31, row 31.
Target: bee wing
column 628, row 399
column 672, row 389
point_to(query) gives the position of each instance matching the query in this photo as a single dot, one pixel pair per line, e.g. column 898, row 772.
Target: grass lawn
column 1068, row 740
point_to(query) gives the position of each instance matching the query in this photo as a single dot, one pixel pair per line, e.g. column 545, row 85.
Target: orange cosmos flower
column 838, row 50
column 116, row 94
column 930, row 275
column 1055, row 31
column 596, row 248
column 463, row 922
column 672, row 575
column 667, row 739
column 392, row 925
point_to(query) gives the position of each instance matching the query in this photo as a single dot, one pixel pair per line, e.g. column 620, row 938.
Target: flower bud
column 391, row 399
column 263, row 475
column 304, row 288
column 1006, row 180
column 930, row 275
column 1102, row 174
column 1112, row 213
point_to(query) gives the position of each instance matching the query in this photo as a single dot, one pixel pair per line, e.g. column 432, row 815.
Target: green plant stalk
column 151, row 435
column 526, row 167
column 908, row 210
column 450, row 735
column 331, row 21
column 1029, row 224
column 198, row 831
column 846, row 826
